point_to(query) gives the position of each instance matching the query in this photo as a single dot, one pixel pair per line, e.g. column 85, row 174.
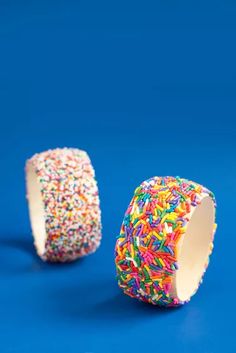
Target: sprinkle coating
column 146, row 248
column 71, row 203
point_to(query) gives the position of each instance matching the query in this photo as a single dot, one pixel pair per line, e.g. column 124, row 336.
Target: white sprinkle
column 134, row 262
column 155, row 296
column 168, row 229
column 133, row 209
column 141, row 291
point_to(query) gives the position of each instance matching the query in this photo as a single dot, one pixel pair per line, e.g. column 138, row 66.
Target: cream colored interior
column 36, row 210
column 194, row 249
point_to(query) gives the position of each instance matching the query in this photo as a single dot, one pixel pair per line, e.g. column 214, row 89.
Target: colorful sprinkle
column 146, row 248
column 71, row 203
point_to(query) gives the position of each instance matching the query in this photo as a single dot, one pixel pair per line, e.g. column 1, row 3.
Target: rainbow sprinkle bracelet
column 64, row 204
column 148, row 247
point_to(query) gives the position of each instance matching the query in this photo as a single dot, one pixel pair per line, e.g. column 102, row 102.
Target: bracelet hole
column 194, row 249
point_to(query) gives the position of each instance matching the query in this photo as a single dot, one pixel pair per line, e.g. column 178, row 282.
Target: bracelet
column 165, row 241
column 63, row 204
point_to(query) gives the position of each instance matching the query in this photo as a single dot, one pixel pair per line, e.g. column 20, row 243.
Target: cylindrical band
column 165, row 241
column 63, row 204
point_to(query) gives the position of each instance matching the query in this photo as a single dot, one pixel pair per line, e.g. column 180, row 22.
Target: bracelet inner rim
column 36, row 210
column 194, row 248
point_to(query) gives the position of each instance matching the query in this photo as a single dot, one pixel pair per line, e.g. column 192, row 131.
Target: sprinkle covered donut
column 63, row 204
column 165, row 241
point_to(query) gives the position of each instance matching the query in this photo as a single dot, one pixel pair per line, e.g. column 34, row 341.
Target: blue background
column 147, row 88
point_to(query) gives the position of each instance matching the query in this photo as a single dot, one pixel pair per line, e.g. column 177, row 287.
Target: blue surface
column 147, row 88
